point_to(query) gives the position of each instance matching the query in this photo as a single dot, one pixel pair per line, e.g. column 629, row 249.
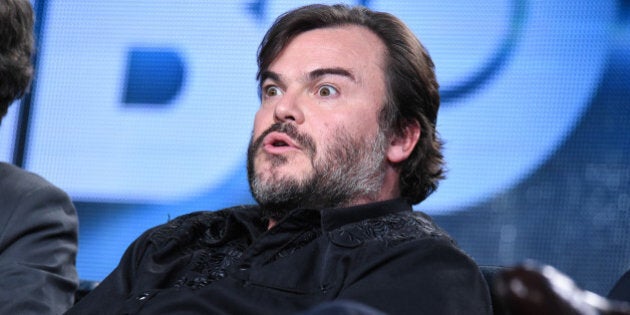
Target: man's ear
column 401, row 145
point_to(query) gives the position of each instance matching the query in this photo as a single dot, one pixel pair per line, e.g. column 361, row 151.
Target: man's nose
column 289, row 109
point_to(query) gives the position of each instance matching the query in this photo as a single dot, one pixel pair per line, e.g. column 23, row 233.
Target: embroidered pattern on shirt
column 211, row 264
column 391, row 230
column 214, row 244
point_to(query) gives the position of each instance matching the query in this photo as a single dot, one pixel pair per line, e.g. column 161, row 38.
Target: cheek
column 261, row 122
column 363, row 127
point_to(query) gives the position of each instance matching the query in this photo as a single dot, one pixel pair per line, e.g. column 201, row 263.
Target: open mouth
column 278, row 142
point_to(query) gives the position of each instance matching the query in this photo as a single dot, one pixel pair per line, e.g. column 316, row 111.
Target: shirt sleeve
column 38, row 253
column 117, row 287
column 429, row 276
column 147, row 264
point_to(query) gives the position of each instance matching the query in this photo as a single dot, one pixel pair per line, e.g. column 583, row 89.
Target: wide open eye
column 326, row 90
column 272, row 90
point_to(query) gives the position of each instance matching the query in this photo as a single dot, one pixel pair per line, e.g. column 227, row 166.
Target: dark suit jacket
column 38, row 244
column 621, row 290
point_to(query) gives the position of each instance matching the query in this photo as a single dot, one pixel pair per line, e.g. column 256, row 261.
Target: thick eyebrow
column 315, row 74
column 269, row 75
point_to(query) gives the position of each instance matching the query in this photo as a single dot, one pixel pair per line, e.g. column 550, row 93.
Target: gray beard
column 352, row 168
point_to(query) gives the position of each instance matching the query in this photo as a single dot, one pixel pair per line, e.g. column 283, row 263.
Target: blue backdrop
column 142, row 111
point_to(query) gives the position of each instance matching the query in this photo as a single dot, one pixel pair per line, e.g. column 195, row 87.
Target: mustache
column 302, row 139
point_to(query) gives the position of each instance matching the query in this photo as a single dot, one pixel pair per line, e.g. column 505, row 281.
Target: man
column 343, row 144
column 38, row 223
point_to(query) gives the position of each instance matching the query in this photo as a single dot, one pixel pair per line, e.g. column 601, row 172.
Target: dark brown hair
column 16, row 48
column 410, row 82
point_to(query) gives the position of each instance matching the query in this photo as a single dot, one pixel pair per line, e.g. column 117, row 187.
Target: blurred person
column 343, row 144
column 38, row 222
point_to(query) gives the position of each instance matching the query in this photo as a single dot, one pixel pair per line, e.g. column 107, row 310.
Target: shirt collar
column 333, row 218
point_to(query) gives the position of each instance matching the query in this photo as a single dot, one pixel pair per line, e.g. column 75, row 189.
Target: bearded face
column 344, row 169
column 316, row 138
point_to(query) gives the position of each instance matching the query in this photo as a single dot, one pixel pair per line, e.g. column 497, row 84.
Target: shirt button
column 244, row 266
column 144, row 296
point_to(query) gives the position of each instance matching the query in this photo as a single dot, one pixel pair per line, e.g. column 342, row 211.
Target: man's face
column 316, row 140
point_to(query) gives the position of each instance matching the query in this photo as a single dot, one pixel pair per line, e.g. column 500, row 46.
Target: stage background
column 142, row 111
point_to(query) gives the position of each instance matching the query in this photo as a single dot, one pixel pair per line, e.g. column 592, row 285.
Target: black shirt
column 226, row 262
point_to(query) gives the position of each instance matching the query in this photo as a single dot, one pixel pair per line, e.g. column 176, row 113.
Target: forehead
column 353, row 47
